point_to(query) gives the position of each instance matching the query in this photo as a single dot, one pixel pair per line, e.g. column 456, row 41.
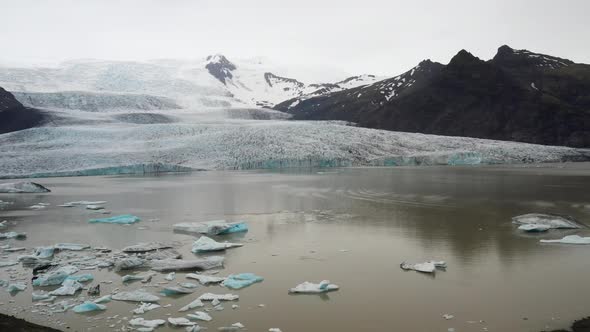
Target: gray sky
column 368, row 36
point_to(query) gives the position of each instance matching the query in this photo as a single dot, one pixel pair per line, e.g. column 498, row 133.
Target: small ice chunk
column 88, row 307
column 215, row 227
column 238, row 281
column 129, row 278
column 129, row 263
column 81, row 278
column 219, row 297
column 180, row 321
column 71, row 246
column 205, row 279
column 200, row 315
column 94, row 207
column 171, row 291
column 145, row 307
column 550, row 220
column 135, row 296
column 532, row 228
column 171, row 276
column 448, row 316
column 124, row 219
column 238, row 325
column 77, row 203
column 274, row 329
column 16, row 287
column 570, row 239
column 427, row 267
column 13, row 235
column 68, row 287
column 104, row 299
column 22, row 187
column 195, row 304
column 178, row 264
column 145, row 247
column 206, row 244
column 39, row 296
column 55, row 277
column 139, row 321
column 188, row 285
column 311, row 288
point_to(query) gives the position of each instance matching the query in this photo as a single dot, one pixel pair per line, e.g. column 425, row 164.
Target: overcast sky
column 368, row 36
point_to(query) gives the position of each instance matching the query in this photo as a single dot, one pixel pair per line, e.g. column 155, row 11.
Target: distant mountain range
column 517, row 96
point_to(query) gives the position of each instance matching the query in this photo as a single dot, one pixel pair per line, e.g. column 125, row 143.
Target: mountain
column 518, row 96
column 14, row 116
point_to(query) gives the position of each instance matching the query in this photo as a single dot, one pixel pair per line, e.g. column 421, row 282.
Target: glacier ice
column 205, row 279
column 68, row 287
column 218, row 297
column 145, row 307
column 141, row 322
column 71, row 246
column 81, row 278
column 22, row 187
column 171, row 276
column 129, row 263
column 200, row 315
column 124, row 219
column 570, row 239
column 180, row 321
column 241, row 280
column 12, row 235
column 16, row 287
column 103, row 299
column 531, row 228
column 427, row 267
column 144, row 247
column 214, row 227
column 549, row 220
column 175, row 290
column 194, row 304
column 55, row 277
column 206, row 244
column 88, row 307
column 312, row 288
column 135, row 296
column 207, row 263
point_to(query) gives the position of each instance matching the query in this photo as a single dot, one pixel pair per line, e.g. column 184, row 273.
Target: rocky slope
column 14, row 116
column 518, row 96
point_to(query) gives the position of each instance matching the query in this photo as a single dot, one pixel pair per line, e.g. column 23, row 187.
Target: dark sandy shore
column 13, row 324
column 582, row 325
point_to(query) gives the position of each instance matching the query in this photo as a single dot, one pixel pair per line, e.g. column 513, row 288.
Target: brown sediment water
column 351, row 226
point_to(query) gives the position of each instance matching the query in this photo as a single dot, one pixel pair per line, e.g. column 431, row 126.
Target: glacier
column 246, row 144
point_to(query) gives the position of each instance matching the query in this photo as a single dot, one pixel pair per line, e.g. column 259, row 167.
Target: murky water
column 351, row 226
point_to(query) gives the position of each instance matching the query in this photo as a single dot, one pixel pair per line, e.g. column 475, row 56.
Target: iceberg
column 68, row 287
column 171, row 291
column 78, row 203
column 16, row 287
column 124, row 219
column 145, row 247
column 218, row 297
column 200, row 315
column 311, row 288
column 570, row 239
column 88, row 307
column 171, row 276
column 71, row 246
column 129, row 263
column 195, row 304
column 146, row 323
column 238, row 281
column 534, row 228
column 129, row 278
column 188, row 285
column 135, row 296
column 145, row 307
column 81, row 278
column 427, row 267
column 215, row 227
column 550, row 220
column 42, row 296
column 163, row 254
column 22, row 187
column 205, row 279
column 94, row 207
column 55, row 277
column 40, row 254
column 181, row 321
column 13, row 235
column 104, row 299
column 178, row 264
column 206, row 244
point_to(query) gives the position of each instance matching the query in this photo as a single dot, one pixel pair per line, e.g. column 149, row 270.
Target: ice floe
column 426, row 267
column 312, row 288
column 215, row 227
column 71, row 246
column 200, row 315
column 135, row 296
column 129, row 263
column 124, row 219
column 141, row 322
column 205, row 279
column 194, row 304
column 145, row 307
column 549, row 220
column 205, row 244
column 13, row 235
column 145, row 247
column 88, row 307
column 16, row 287
column 68, row 287
column 207, row 263
column 218, row 297
column 55, row 277
column 174, row 290
column 22, row 187
column 180, row 321
column 570, row 239
column 241, row 280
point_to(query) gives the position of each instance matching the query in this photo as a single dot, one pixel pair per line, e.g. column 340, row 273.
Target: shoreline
column 581, row 325
column 14, row 324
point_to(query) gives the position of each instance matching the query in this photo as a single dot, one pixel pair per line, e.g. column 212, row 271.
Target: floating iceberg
column 188, row 285
column 124, row 219
column 22, row 187
column 145, row 307
column 68, row 287
column 215, row 227
column 205, row 279
column 129, row 263
column 55, row 277
column 550, row 220
column 534, row 228
column 40, row 254
column 238, row 281
column 200, row 315
column 42, row 296
column 16, row 287
column 94, row 207
column 171, row 276
column 135, row 296
column 179, row 264
column 570, row 239
column 146, row 323
column 145, row 247
column 171, row 291
column 427, row 267
column 104, row 299
column 311, row 288
column 195, row 304
column 81, row 278
column 71, row 246
column 130, row 278
column 163, row 254
column 205, row 244
column 181, row 321
column 13, row 235
column 218, row 297
column 88, row 307
column 77, row 203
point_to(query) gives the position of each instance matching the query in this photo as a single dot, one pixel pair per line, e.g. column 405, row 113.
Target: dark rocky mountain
column 220, row 67
column 518, row 95
column 14, row 116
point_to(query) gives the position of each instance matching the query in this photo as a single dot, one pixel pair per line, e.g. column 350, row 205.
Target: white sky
column 368, row 36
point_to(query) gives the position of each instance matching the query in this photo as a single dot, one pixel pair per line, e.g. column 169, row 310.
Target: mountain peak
column 509, row 57
column 220, row 67
column 464, row 58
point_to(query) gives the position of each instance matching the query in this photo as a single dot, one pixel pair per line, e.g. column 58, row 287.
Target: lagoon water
column 351, row 226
